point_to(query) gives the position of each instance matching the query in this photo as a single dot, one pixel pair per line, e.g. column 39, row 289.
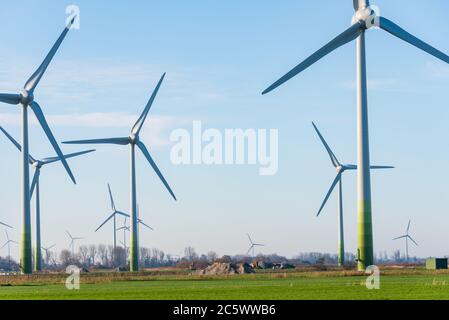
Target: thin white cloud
column 384, row 85
column 156, row 129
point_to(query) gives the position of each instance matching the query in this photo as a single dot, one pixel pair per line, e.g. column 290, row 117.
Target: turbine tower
column 253, row 245
column 113, row 216
column 35, row 186
column 133, row 140
column 364, row 19
column 340, row 168
column 8, row 243
column 72, row 242
column 26, row 99
column 407, row 237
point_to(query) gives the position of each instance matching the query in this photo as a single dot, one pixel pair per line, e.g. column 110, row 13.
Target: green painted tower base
column 365, row 236
column 26, row 264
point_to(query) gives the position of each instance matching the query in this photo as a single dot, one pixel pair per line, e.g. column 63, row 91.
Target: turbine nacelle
column 134, row 138
column 37, row 164
column 367, row 16
column 26, row 97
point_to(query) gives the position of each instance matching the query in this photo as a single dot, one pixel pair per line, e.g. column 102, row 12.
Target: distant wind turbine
column 26, row 99
column 253, row 245
column 8, row 243
column 113, row 216
column 72, row 242
column 133, row 140
column 407, row 237
column 340, row 168
column 364, row 18
column 47, row 252
column 35, row 187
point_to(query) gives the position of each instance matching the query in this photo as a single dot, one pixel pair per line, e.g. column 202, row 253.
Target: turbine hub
column 340, row 169
column 366, row 15
column 36, row 164
column 134, row 138
column 26, row 97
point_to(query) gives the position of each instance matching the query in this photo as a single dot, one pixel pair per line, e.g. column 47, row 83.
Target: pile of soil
column 221, row 268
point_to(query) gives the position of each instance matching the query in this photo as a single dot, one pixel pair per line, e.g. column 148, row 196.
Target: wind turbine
column 407, row 237
column 253, row 245
column 113, row 216
column 26, row 99
column 8, row 243
column 72, row 242
column 362, row 21
column 133, row 140
column 47, row 252
column 35, row 186
column 124, row 228
column 340, row 168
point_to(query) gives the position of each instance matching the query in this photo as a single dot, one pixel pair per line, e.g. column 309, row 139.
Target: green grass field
column 290, row 286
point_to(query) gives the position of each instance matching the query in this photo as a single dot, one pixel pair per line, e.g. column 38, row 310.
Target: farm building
column 436, row 264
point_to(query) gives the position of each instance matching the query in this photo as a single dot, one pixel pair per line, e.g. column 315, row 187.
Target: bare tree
column 190, row 254
column 92, row 253
column 84, row 255
column 66, row 258
column 103, row 254
column 212, row 256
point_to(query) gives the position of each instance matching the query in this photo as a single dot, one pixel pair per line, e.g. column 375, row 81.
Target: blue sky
column 219, row 56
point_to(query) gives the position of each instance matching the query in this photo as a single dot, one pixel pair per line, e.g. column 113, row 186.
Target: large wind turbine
column 113, row 216
column 133, row 140
column 253, row 245
column 35, row 186
column 407, row 237
column 26, row 99
column 340, row 168
column 8, row 243
column 363, row 20
column 72, row 242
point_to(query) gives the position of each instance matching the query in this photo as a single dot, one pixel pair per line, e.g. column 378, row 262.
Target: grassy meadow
column 325, row 285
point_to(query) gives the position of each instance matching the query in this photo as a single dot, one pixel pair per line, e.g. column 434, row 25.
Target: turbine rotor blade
column 104, row 222
column 120, row 141
column 249, row 237
column 66, row 156
column 401, row 237
column 337, row 179
column 6, row 225
column 10, row 98
column 347, row 36
column 69, row 234
column 408, row 226
column 43, row 122
column 15, row 143
column 138, row 125
column 36, row 176
column 155, row 168
column 122, row 214
column 397, row 31
column 111, row 198
column 413, row 241
column 32, row 83
column 334, row 159
column 143, row 223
